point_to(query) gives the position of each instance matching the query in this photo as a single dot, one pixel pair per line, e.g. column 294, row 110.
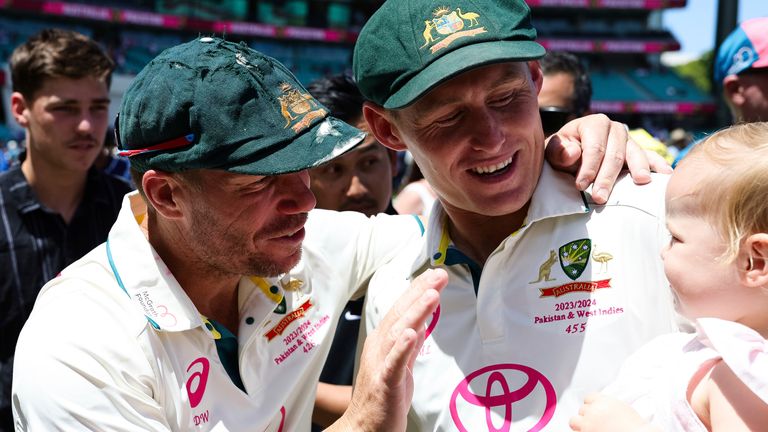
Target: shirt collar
column 555, row 195
column 143, row 274
column 152, row 287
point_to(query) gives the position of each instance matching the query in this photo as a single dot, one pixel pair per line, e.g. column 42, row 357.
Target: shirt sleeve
column 83, row 371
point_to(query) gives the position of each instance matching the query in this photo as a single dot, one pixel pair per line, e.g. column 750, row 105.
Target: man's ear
column 732, row 90
column 19, row 109
column 753, row 258
column 380, row 124
column 537, row 76
column 163, row 192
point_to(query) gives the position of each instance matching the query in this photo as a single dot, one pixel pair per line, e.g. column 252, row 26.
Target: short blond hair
column 734, row 197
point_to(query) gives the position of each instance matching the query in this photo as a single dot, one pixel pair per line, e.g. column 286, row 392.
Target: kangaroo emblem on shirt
column 545, row 269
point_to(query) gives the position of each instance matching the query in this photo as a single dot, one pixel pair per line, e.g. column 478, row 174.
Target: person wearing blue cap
column 741, row 73
column 741, row 70
column 212, row 304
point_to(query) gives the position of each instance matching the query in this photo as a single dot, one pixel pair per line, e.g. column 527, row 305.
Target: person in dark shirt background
column 54, row 206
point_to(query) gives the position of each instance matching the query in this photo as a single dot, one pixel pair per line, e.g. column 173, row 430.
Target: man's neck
column 477, row 236
column 215, row 295
column 60, row 191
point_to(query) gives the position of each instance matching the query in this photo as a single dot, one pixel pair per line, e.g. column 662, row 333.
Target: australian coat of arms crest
column 449, row 26
column 298, row 108
column 574, row 257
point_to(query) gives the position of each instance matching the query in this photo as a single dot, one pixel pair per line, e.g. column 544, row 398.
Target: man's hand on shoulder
column 595, row 149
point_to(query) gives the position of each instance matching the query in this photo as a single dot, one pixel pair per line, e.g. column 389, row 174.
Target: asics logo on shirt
column 197, row 380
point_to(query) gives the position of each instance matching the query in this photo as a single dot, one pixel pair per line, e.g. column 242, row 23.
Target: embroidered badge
column 292, row 285
column 277, row 330
column 574, row 257
column 298, row 109
column 449, row 25
column 545, row 269
column 602, row 258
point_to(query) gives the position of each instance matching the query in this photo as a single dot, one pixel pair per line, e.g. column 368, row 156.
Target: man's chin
column 277, row 267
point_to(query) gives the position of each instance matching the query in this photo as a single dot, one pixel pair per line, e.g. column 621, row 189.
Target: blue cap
column 745, row 48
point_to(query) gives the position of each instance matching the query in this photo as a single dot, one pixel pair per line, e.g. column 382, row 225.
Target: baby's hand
column 603, row 413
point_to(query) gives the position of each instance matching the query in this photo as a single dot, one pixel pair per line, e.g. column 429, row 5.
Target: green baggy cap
column 214, row 104
column 408, row 47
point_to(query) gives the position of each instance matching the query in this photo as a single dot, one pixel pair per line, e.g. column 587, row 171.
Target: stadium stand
column 620, row 41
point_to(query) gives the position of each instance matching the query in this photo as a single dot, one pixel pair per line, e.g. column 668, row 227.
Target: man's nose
column 487, row 132
column 297, row 197
column 356, row 187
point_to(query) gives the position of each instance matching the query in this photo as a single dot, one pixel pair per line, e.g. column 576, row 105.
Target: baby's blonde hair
column 734, row 198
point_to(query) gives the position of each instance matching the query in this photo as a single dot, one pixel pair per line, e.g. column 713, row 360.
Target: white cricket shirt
column 135, row 354
column 558, row 306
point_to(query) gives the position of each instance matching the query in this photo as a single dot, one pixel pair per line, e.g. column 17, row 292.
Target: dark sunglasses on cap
column 553, row 118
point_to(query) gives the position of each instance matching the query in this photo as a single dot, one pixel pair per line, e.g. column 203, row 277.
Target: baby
column 717, row 265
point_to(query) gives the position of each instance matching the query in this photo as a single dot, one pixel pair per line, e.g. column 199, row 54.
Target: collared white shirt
column 114, row 343
column 518, row 343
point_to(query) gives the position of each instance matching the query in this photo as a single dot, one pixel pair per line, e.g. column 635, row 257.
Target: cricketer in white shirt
column 550, row 316
column 114, row 343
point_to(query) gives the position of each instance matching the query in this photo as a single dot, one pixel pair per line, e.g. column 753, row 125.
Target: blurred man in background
column 361, row 179
column 566, row 94
column 54, row 206
column 741, row 71
column 566, row 91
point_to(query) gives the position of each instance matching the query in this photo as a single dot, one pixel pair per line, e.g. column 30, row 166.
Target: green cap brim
column 461, row 60
column 323, row 142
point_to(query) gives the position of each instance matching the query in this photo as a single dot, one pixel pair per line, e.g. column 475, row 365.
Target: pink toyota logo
column 495, row 377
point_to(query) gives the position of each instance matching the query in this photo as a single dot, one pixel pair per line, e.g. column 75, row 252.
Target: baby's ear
column 753, row 259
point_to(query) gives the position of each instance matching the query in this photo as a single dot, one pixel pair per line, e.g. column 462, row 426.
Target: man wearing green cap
column 158, row 328
column 548, row 290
